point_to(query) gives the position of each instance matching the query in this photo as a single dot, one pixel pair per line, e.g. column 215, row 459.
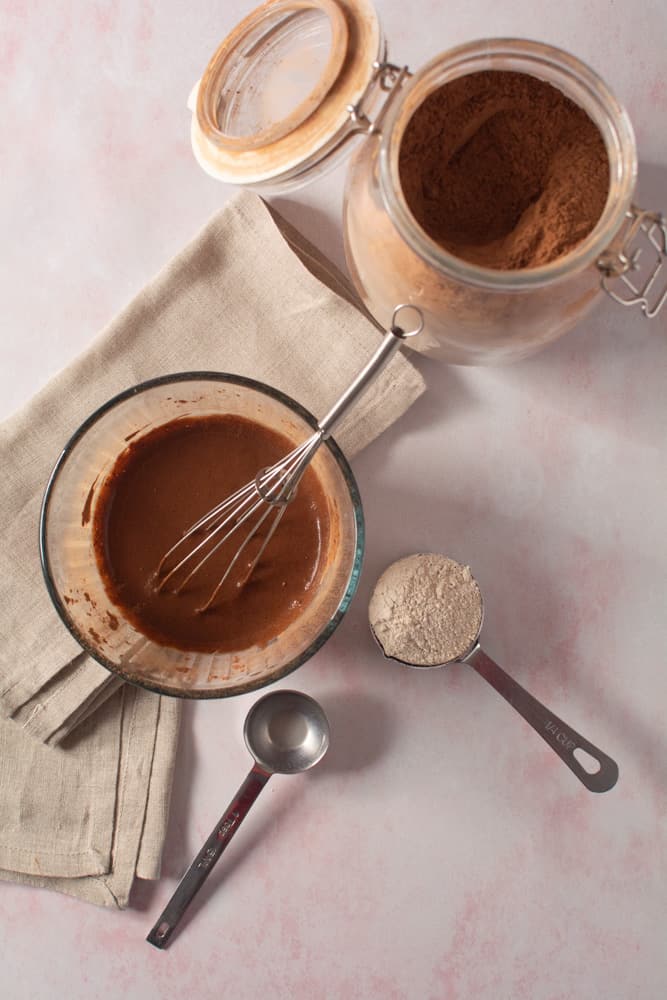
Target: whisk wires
column 273, row 489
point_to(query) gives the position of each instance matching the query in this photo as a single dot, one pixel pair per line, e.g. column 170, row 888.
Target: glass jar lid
column 276, row 98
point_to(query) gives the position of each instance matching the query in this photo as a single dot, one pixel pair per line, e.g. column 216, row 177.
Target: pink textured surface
column 441, row 852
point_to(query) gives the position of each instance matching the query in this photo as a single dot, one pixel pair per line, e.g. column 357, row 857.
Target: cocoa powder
column 503, row 170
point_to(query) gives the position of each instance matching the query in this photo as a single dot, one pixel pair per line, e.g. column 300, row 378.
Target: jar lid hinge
column 388, row 77
column 628, row 277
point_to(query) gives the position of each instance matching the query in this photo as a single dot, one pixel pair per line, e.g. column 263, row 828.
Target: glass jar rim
column 582, row 85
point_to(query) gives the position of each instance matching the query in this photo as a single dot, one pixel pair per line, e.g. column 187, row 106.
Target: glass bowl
column 70, row 566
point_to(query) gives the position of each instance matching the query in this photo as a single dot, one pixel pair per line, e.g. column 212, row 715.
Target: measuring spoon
column 286, row 732
column 564, row 740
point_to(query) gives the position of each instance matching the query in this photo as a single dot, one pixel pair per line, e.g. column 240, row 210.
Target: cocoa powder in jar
column 503, row 170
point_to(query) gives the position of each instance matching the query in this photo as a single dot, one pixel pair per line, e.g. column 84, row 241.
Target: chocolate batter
column 164, row 482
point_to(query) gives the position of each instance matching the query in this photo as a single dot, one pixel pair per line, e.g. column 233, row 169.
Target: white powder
column 426, row 609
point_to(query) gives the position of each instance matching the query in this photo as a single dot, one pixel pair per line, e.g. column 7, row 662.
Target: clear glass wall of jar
column 475, row 315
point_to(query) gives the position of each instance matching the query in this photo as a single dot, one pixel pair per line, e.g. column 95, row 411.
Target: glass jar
column 298, row 79
column 474, row 314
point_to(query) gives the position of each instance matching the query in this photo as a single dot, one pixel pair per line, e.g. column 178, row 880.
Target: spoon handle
column 200, row 868
column 560, row 737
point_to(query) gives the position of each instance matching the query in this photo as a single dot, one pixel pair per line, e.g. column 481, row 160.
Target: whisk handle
column 390, row 343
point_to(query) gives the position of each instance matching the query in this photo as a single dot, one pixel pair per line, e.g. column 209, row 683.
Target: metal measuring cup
column 286, row 732
column 564, row 740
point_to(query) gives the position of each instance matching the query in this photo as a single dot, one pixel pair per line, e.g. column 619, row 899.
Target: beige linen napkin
column 86, row 762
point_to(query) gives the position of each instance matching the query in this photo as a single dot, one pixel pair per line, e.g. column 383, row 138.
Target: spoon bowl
column 286, row 732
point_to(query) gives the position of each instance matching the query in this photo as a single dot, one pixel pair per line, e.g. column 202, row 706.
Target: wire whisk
column 261, row 503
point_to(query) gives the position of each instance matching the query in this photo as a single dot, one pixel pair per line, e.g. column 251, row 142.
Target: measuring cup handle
column 553, row 730
column 199, row 870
